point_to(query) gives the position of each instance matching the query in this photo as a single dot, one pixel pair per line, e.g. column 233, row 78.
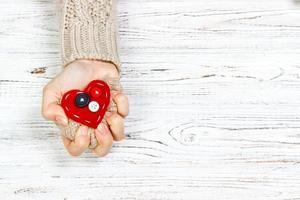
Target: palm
column 78, row 75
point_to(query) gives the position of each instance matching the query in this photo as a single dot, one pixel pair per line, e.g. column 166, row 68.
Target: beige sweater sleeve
column 89, row 31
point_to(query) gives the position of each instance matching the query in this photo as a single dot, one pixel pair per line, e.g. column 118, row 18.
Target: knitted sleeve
column 89, row 31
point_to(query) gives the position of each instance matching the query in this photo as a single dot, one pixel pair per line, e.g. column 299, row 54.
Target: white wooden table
column 214, row 88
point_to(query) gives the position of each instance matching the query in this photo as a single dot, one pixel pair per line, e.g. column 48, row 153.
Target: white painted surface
column 214, row 89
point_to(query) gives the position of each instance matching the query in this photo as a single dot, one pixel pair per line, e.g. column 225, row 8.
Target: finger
column 80, row 144
column 105, row 140
column 116, row 125
column 115, row 84
column 55, row 112
column 122, row 103
column 50, row 108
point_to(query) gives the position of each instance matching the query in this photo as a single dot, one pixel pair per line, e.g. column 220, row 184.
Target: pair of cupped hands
column 78, row 75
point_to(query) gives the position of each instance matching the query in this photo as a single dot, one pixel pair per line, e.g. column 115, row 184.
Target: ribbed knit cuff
column 90, row 31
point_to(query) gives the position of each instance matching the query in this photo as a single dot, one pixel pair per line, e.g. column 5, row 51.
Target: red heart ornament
column 92, row 114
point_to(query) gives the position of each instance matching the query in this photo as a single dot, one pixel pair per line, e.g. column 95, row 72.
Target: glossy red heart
column 99, row 94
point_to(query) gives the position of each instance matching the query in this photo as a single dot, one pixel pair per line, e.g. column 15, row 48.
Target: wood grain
column 214, row 93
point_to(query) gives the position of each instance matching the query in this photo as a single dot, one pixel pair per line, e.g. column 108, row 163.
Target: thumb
column 52, row 110
column 56, row 113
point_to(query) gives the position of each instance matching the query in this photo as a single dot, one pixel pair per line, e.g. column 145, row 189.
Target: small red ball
column 96, row 92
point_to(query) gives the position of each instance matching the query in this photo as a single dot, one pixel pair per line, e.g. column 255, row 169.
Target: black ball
column 82, row 100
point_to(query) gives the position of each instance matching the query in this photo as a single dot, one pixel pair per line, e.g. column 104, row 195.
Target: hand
column 78, row 75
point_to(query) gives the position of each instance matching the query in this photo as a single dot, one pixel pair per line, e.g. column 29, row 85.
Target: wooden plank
column 213, row 88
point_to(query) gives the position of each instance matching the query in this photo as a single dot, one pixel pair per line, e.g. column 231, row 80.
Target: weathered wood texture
column 215, row 103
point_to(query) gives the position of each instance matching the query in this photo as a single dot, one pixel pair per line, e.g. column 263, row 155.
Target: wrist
column 95, row 68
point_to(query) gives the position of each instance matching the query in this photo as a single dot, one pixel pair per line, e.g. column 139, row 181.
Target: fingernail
column 83, row 131
column 61, row 120
column 114, row 93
